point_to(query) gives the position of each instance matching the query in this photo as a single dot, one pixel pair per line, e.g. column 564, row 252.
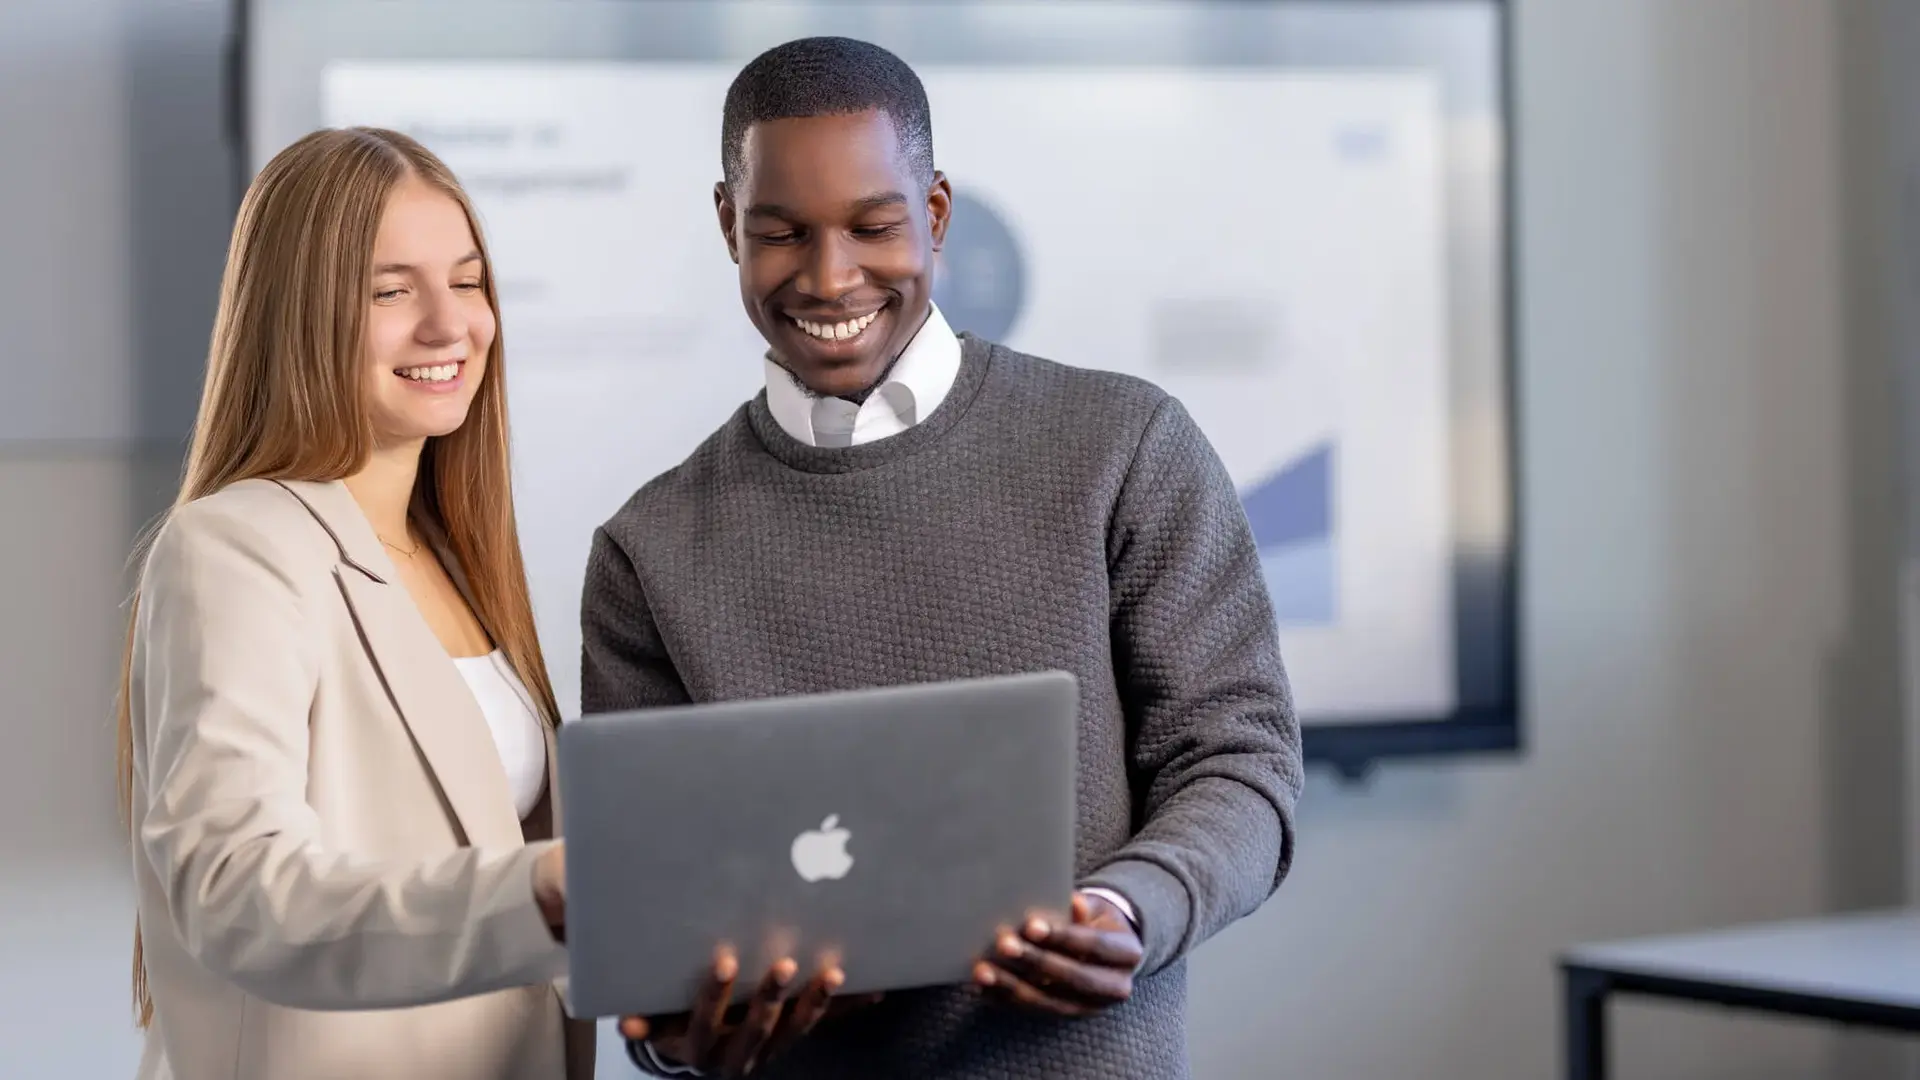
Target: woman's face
column 428, row 326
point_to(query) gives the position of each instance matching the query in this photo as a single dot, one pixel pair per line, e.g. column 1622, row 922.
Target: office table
column 1859, row 969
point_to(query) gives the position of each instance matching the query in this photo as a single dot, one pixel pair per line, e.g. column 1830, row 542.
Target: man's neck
column 859, row 397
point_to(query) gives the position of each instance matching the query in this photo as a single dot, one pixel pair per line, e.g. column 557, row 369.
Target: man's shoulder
column 679, row 491
column 1040, row 375
column 1107, row 417
column 1093, row 400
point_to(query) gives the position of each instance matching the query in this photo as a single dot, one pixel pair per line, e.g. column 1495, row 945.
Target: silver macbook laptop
column 893, row 828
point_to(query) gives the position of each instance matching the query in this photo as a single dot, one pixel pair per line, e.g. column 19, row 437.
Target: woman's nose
column 443, row 321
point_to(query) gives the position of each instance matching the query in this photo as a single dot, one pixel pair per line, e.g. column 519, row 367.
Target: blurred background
column 1598, row 610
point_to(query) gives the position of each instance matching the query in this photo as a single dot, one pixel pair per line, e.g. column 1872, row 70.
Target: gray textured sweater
column 1042, row 517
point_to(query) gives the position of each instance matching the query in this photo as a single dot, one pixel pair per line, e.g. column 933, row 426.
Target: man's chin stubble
column 858, row 397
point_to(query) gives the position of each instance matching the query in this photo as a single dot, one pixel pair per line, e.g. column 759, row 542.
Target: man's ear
column 939, row 207
column 723, row 205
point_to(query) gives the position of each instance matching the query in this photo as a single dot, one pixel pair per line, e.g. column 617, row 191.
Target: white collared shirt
column 915, row 386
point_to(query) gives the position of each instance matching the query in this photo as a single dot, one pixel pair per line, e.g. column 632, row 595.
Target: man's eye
column 778, row 237
column 876, row 232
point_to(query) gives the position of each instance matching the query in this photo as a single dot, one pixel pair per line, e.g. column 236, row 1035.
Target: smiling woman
column 431, row 323
column 332, row 658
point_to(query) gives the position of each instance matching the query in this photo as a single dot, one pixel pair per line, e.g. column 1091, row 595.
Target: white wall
column 1709, row 508
column 1708, row 500
column 1897, row 251
column 113, row 211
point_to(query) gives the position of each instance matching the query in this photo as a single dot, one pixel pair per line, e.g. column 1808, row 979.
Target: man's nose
column 831, row 271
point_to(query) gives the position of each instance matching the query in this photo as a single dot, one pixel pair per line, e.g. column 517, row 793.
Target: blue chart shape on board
column 1292, row 517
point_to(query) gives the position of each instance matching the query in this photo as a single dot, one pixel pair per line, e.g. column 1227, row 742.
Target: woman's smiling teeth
column 431, row 372
column 840, row 331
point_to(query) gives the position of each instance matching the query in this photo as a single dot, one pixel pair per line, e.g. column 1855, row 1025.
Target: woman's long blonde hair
column 284, row 395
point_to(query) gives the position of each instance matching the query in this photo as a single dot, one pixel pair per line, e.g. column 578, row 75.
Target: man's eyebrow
column 861, row 205
column 407, row 268
column 880, row 201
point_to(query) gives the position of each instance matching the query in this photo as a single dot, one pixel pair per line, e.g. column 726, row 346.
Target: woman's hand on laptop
column 728, row 1041
column 550, row 888
column 1068, row 968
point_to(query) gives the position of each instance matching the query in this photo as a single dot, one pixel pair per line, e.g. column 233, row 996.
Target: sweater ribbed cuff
column 648, row 1060
column 1160, row 904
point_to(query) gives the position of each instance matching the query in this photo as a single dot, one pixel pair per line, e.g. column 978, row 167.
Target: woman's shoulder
column 250, row 521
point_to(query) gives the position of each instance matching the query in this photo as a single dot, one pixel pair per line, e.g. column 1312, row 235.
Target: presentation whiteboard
column 1306, row 246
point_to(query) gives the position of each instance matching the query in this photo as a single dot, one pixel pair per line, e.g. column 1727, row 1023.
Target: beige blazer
column 332, row 879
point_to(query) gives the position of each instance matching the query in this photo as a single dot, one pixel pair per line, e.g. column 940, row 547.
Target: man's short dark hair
column 827, row 76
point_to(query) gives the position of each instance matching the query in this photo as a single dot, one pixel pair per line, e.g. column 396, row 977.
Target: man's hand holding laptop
column 1067, row 968
column 728, row 1040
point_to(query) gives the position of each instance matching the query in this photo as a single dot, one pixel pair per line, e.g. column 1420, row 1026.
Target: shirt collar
column 914, row 388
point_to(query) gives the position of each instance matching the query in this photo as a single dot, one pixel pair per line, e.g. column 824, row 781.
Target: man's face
column 835, row 238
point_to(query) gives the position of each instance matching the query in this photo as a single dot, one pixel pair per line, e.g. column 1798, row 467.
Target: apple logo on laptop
column 820, row 854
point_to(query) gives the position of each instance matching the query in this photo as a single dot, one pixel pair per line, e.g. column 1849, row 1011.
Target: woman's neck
column 384, row 489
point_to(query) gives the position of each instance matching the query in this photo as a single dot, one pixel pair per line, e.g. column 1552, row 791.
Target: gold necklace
column 401, row 550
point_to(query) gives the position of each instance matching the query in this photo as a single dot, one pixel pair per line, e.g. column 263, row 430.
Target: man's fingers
column 763, row 1014
column 1091, row 943
column 811, row 1005
column 1060, row 975
column 1007, row 986
column 804, row 1012
column 1082, row 908
column 710, row 1007
column 736, row 1039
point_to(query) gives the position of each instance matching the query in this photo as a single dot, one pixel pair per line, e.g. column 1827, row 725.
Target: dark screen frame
column 1487, row 717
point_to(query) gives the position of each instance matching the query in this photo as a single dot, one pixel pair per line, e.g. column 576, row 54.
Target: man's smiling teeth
column 430, row 373
column 839, row 331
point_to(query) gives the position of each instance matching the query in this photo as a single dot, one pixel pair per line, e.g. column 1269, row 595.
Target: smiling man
column 904, row 504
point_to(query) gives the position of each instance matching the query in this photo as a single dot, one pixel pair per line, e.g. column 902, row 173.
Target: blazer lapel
column 543, row 821
column 421, row 680
column 555, row 823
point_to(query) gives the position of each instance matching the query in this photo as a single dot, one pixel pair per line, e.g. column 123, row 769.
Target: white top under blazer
column 514, row 722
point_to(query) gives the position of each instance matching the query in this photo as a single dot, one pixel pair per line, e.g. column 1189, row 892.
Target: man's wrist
column 648, row 1060
column 1120, row 902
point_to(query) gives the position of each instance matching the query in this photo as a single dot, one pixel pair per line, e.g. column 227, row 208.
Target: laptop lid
column 893, row 828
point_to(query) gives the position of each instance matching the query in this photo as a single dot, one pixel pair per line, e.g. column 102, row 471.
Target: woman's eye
column 388, row 294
